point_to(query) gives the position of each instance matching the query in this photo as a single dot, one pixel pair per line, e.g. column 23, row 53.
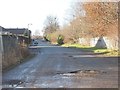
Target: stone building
column 23, row 34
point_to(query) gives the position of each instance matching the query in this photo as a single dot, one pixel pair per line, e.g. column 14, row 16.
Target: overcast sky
column 19, row 13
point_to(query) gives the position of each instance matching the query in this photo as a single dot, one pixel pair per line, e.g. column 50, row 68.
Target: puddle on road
column 65, row 79
column 57, row 78
column 12, row 83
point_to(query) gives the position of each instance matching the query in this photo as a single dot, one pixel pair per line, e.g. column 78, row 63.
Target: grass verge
column 104, row 52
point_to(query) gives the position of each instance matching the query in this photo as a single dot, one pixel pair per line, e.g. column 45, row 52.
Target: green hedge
column 60, row 40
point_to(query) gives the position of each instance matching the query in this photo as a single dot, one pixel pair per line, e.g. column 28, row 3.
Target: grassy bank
column 18, row 63
column 105, row 52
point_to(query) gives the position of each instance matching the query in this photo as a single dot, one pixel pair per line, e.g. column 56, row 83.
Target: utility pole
column 28, row 32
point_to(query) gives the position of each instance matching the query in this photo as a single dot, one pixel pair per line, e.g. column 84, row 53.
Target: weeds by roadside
column 18, row 63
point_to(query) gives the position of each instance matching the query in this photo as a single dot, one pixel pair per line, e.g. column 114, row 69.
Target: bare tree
column 51, row 25
column 91, row 19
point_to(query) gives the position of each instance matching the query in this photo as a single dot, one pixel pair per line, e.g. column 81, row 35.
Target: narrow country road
column 58, row 67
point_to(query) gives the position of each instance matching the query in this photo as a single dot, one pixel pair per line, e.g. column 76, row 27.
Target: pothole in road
column 12, row 83
column 82, row 73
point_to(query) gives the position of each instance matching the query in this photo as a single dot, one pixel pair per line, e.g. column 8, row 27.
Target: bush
column 60, row 40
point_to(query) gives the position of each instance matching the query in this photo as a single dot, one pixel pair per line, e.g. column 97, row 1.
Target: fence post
column 1, row 55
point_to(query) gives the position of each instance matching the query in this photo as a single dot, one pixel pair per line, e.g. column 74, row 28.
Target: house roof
column 15, row 30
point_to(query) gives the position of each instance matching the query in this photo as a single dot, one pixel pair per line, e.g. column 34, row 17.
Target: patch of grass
column 88, row 48
column 105, row 52
column 112, row 53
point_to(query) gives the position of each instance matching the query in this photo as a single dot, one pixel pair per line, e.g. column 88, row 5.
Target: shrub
column 60, row 40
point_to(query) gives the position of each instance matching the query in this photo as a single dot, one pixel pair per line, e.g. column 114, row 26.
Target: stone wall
column 12, row 52
column 103, row 42
column 84, row 41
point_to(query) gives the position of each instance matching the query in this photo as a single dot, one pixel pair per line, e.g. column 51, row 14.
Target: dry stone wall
column 11, row 52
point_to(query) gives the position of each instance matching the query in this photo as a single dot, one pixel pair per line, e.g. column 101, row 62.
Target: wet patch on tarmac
column 12, row 83
column 34, row 50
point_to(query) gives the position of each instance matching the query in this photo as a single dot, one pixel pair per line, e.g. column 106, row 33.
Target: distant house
column 23, row 34
column 18, row 31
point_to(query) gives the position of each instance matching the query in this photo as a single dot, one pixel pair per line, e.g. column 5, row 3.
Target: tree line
column 90, row 19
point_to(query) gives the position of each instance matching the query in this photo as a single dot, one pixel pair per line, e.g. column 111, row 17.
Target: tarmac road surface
column 59, row 67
